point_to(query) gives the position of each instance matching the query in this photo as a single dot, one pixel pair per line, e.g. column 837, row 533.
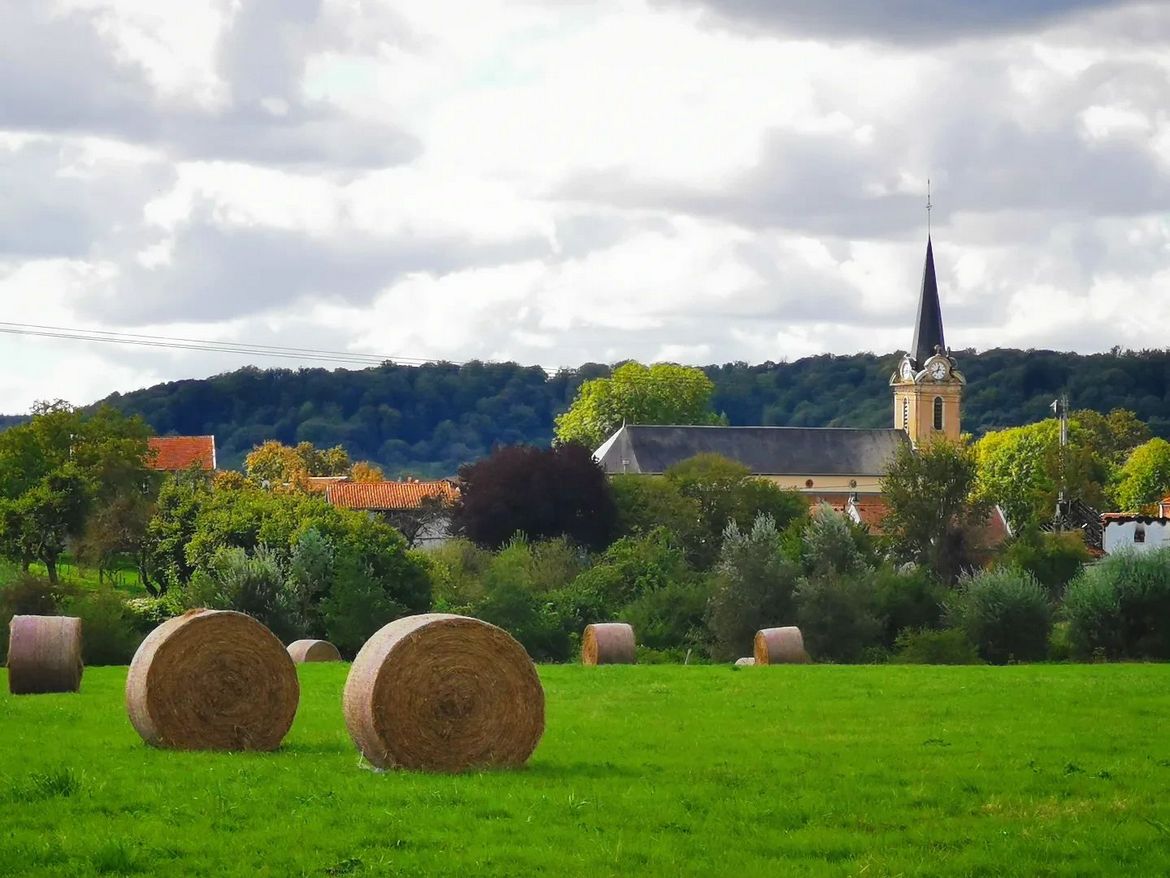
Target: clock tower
column 927, row 388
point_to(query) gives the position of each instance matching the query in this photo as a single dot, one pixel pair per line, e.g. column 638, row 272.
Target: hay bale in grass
column 212, row 680
column 301, row 651
column 608, row 643
column 780, row 646
column 439, row 692
column 44, row 654
column 746, row 662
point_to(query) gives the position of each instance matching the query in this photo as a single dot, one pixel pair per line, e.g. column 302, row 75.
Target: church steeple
column 928, row 389
column 928, row 330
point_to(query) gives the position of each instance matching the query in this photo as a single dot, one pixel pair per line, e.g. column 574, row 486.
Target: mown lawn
column 820, row 770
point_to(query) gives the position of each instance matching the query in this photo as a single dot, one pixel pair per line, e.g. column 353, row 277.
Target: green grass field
column 663, row 770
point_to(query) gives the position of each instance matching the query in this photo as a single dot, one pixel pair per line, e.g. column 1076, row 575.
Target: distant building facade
column 1137, row 533
column 419, row 510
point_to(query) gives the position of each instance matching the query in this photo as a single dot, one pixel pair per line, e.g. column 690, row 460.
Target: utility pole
column 1060, row 408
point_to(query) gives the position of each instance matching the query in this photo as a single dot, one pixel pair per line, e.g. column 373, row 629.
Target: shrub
column 925, row 647
column 530, row 620
column 837, row 615
column 906, row 599
column 358, row 604
column 109, row 635
column 1054, row 559
column 1005, row 613
column 28, row 595
column 252, row 583
column 1120, row 607
column 832, row 543
column 752, row 587
column 670, row 617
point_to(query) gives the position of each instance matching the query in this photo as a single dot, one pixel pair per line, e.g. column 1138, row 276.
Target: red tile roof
column 388, row 496
column 174, row 453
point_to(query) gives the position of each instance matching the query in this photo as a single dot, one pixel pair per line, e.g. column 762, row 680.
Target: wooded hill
column 428, row 420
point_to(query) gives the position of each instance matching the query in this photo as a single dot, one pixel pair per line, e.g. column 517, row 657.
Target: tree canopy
column 635, row 394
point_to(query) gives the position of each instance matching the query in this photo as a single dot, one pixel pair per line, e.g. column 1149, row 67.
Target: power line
column 315, row 355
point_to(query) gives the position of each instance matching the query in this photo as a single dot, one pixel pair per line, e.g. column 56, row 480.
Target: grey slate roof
column 928, row 328
column 764, row 450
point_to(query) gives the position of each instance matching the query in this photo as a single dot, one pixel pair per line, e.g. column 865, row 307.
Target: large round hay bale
column 608, row 643
column 746, row 662
column 439, row 692
column 780, row 646
column 301, row 651
column 212, row 680
column 44, row 654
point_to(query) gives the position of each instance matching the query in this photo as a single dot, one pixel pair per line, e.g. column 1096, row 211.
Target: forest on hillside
column 427, row 420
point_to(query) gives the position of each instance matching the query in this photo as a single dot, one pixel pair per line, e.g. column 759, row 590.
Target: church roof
column 928, row 329
column 764, row 450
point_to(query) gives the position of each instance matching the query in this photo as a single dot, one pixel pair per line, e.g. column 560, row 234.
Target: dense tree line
column 430, row 420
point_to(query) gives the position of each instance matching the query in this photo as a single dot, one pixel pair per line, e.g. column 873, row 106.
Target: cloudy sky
column 558, row 181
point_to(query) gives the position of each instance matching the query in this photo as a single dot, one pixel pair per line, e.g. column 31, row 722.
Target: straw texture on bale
column 44, row 654
column 439, row 692
column 780, row 646
column 313, row 651
column 608, row 643
column 746, row 662
column 212, row 680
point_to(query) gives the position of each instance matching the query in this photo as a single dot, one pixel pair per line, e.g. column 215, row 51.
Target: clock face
column 907, row 369
column 938, row 371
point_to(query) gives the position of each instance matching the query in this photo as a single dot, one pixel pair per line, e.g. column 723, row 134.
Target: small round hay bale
column 608, row 643
column 212, row 680
column 439, row 692
column 302, row 651
column 780, row 646
column 746, row 662
column 44, row 654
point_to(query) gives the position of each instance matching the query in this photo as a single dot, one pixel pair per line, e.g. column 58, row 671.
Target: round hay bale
column 780, row 646
column 301, row 651
column 746, row 662
column 212, row 680
column 438, row 692
column 608, row 643
column 44, row 654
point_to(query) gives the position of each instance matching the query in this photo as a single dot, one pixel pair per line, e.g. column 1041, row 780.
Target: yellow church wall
column 828, row 484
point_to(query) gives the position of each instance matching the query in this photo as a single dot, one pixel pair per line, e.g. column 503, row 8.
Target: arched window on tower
column 906, row 415
column 938, row 413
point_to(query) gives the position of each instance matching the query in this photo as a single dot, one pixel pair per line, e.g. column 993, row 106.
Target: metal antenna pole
column 928, row 207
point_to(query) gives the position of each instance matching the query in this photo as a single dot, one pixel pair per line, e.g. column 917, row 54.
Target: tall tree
column 1145, row 477
column 932, row 508
column 537, row 492
column 56, row 468
column 635, row 394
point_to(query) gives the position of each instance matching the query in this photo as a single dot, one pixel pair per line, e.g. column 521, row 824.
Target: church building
column 841, row 466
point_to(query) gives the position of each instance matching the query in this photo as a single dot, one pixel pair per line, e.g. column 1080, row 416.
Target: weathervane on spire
column 929, row 207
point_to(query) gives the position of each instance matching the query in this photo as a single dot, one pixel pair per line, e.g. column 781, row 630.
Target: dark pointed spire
column 928, row 330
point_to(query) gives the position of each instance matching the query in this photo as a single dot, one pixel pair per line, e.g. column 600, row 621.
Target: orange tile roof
column 174, row 453
column 388, row 496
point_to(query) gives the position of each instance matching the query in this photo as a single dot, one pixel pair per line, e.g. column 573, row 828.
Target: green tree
column 1144, row 479
column 726, row 491
column 635, row 394
column 56, row 468
column 753, row 587
column 932, row 510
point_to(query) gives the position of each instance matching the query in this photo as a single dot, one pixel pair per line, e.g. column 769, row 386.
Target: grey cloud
column 219, row 273
column 989, row 155
column 58, row 75
column 47, row 211
column 897, row 21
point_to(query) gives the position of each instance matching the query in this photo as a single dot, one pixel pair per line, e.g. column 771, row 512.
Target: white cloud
column 700, row 180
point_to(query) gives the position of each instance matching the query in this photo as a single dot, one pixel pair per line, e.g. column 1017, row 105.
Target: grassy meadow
column 654, row 770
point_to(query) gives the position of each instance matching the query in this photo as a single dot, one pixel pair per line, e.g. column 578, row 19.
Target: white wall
column 1119, row 535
